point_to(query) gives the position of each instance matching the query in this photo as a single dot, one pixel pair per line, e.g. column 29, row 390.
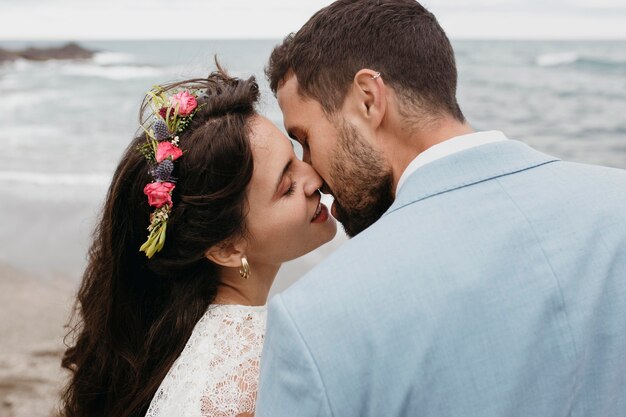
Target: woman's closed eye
column 291, row 189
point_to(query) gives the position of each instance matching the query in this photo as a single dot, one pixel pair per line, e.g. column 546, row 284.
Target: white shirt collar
column 449, row 147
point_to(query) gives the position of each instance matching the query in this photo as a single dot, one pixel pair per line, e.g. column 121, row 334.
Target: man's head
column 335, row 103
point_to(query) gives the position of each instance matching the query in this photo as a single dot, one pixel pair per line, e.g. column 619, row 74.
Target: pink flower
column 166, row 150
column 186, row 103
column 159, row 193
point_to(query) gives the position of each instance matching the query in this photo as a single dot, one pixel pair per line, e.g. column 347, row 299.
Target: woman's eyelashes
column 291, row 188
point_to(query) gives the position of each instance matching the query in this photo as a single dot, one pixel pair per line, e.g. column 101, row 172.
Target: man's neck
column 407, row 146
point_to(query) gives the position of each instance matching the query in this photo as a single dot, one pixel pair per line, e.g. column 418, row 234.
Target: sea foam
column 114, row 72
column 110, row 58
column 575, row 58
column 555, row 59
column 56, row 179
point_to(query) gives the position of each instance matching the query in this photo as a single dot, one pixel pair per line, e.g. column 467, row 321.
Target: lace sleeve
column 217, row 374
column 234, row 395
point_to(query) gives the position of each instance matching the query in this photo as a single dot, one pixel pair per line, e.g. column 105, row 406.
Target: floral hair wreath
column 171, row 115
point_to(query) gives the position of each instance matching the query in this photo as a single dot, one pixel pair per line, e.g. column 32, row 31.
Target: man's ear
column 227, row 253
column 369, row 93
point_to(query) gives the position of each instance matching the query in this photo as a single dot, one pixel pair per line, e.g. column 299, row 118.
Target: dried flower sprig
column 171, row 115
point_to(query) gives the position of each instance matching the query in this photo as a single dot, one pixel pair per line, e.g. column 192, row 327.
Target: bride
column 204, row 207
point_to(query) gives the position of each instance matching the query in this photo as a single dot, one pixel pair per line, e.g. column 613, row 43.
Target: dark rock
column 7, row 55
column 68, row 51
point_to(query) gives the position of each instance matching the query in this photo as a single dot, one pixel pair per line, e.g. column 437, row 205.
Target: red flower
column 163, row 112
column 159, row 193
column 166, row 150
column 184, row 102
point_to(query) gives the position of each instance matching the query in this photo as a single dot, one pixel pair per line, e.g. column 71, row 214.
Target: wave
column 22, row 64
column 115, row 72
column 25, row 101
column 556, row 59
column 56, row 179
column 110, row 58
column 99, row 58
column 109, row 65
column 574, row 58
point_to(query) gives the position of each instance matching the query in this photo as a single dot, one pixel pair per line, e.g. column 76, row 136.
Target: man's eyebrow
column 282, row 174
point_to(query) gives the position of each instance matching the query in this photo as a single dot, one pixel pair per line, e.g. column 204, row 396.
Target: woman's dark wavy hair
column 133, row 316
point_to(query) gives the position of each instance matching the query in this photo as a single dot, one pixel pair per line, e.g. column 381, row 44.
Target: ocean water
column 64, row 124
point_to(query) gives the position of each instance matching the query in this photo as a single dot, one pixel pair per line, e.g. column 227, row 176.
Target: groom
column 484, row 278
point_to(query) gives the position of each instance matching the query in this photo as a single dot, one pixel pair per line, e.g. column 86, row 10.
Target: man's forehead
column 288, row 90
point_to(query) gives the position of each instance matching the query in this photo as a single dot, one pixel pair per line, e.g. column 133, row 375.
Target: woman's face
column 286, row 218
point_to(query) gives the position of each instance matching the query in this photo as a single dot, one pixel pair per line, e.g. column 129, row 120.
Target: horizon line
column 156, row 39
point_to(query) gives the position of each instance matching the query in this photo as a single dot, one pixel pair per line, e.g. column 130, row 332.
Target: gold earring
column 244, row 271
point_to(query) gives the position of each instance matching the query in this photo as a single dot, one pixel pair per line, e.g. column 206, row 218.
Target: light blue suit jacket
column 494, row 286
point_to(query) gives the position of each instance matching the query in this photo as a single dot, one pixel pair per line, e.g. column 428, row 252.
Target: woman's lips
column 321, row 214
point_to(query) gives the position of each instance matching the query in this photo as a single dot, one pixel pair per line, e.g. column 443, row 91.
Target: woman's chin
column 330, row 230
column 326, row 234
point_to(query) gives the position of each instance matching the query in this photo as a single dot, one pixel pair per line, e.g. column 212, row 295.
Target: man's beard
column 362, row 181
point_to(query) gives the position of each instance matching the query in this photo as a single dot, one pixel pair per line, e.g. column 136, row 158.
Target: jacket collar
column 468, row 167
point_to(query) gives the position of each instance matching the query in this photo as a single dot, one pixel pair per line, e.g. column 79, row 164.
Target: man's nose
column 306, row 156
column 312, row 180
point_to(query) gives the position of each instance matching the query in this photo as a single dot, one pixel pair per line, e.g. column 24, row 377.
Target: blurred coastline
column 65, row 123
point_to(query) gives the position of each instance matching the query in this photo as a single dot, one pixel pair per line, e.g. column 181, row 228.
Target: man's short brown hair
column 399, row 38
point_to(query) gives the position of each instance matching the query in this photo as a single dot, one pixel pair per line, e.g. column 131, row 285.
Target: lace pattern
column 217, row 373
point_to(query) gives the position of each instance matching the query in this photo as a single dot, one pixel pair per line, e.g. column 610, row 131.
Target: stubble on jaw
column 362, row 181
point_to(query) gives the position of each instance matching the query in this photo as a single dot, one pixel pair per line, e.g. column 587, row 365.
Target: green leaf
column 162, row 236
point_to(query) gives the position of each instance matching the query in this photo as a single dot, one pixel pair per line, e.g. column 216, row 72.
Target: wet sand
column 31, row 344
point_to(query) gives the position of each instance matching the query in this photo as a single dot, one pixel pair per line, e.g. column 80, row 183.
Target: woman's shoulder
column 233, row 330
column 236, row 351
column 234, row 318
column 221, row 356
column 226, row 337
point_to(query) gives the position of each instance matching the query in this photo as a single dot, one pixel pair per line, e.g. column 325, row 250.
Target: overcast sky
column 201, row 19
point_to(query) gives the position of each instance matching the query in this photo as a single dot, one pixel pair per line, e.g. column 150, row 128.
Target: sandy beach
column 32, row 328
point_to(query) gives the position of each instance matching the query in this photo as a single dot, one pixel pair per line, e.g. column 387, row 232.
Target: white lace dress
column 217, row 373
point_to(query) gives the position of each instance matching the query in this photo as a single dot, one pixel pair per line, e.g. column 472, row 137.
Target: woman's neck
column 234, row 289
